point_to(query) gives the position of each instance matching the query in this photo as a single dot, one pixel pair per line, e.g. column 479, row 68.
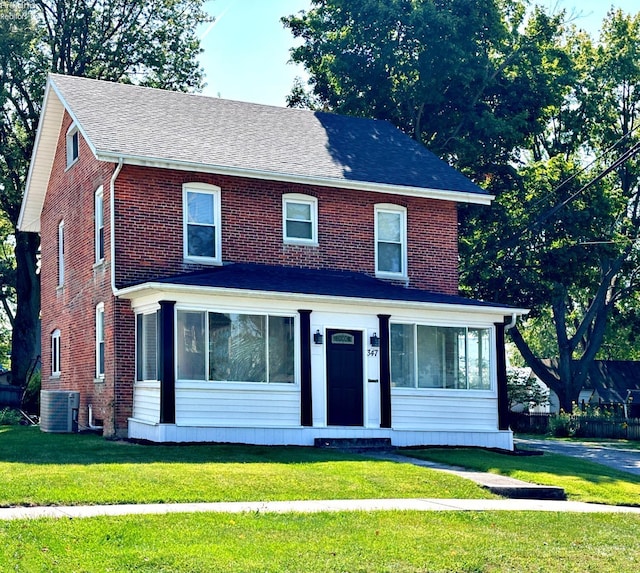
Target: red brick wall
column 149, row 228
column 71, row 308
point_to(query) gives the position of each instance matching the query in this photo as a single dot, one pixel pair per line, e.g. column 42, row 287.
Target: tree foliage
column 537, row 112
column 150, row 42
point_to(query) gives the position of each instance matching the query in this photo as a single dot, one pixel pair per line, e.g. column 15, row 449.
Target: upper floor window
column 73, row 145
column 100, row 340
column 61, row 253
column 391, row 240
column 300, row 219
column 201, row 222
column 55, row 353
column 99, row 225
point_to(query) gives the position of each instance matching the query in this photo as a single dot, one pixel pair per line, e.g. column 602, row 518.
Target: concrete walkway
column 82, row 511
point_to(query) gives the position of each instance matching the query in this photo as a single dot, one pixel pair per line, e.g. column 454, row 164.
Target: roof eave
column 143, row 289
column 445, row 195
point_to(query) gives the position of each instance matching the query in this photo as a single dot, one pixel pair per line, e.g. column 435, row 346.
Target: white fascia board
column 162, row 289
column 455, row 196
column 44, row 150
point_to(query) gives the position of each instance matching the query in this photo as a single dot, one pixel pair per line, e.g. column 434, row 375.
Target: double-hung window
column 60, row 253
column 100, row 340
column 446, row 357
column 55, row 353
column 99, row 225
column 201, row 222
column 299, row 219
column 73, row 145
column 391, row 240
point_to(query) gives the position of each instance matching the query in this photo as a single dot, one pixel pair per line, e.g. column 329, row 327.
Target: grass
column 581, row 479
column 70, row 469
column 391, row 542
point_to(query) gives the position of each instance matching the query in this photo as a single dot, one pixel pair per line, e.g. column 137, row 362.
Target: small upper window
column 391, row 240
column 55, row 353
column 201, row 222
column 300, row 219
column 73, row 145
column 99, row 225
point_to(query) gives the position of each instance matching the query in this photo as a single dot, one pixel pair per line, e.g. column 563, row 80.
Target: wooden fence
column 580, row 426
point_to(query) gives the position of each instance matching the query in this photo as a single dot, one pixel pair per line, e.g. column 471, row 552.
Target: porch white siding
column 146, row 401
column 416, row 411
column 264, row 405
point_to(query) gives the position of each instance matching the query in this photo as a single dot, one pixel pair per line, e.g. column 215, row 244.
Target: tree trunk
column 26, row 329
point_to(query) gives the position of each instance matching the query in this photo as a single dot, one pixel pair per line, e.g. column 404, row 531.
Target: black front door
column 345, row 392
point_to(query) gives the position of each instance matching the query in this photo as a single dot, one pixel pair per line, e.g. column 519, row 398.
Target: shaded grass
column 582, row 480
column 71, row 469
column 398, row 542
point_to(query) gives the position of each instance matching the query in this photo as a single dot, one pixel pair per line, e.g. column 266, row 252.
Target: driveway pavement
column 610, row 454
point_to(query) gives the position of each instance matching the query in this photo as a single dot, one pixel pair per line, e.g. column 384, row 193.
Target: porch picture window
column 235, row 347
column 55, row 353
column 99, row 225
column 391, row 240
column 147, row 346
column 100, row 340
column 424, row 356
column 202, row 238
column 300, row 218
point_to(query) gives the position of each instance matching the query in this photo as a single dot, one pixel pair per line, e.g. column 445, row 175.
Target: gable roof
column 146, row 126
column 314, row 282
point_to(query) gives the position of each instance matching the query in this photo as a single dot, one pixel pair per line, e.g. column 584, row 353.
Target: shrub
column 9, row 417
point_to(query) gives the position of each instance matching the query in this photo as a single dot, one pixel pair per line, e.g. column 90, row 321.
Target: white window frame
column 305, row 200
column 98, row 212
column 72, row 135
column 100, row 342
column 140, row 350
column 402, row 211
column 213, row 190
column 61, row 253
column 56, row 367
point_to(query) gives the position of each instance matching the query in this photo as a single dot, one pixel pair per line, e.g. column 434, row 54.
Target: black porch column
column 166, row 362
column 501, row 368
column 306, row 412
column 385, row 371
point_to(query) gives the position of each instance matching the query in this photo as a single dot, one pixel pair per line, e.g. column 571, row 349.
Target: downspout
column 514, row 319
column 91, row 426
column 116, row 292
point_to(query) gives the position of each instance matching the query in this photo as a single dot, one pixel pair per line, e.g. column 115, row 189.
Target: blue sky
column 246, row 50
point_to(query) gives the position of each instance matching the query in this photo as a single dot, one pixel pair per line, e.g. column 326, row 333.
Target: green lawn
column 71, row 469
column 582, row 480
column 62, row 468
column 384, row 542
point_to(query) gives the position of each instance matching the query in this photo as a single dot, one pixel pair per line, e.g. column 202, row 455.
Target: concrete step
column 355, row 444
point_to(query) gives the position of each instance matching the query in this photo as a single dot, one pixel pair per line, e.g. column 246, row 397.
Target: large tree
column 523, row 103
column 149, row 42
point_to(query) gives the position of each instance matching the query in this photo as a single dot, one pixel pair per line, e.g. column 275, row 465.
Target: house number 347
column 372, row 352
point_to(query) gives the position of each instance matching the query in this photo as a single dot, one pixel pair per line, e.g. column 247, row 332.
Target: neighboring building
column 224, row 271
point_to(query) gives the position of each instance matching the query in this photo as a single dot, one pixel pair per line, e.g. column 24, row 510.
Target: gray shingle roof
column 133, row 121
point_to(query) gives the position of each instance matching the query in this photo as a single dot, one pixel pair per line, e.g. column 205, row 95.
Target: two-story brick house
column 224, row 271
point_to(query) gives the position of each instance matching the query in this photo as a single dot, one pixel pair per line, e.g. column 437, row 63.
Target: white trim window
column 99, row 225
column 440, row 357
column 100, row 340
column 147, row 347
column 55, row 353
column 202, row 236
column 230, row 347
column 73, row 145
column 391, row 240
column 61, row 253
column 299, row 219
